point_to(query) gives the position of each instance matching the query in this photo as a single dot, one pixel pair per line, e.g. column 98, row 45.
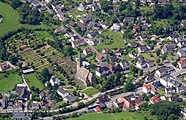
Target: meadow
column 10, row 19
column 9, row 80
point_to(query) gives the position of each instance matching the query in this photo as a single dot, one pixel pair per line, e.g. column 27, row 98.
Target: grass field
column 43, row 35
column 114, row 116
column 90, row 91
column 110, row 36
column 32, row 80
column 10, row 19
column 9, row 80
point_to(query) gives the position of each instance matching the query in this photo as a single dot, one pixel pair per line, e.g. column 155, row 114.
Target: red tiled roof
column 136, row 27
column 99, row 56
column 106, row 49
column 183, row 61
column 149, row 87
column 156, row 99
column 98, row 109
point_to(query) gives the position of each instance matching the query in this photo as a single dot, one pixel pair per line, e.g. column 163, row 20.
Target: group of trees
column 166, row 111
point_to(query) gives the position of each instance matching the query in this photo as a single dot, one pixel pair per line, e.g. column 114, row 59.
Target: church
column 83, row 74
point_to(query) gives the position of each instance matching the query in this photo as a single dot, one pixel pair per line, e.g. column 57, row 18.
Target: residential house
column 129, row 20
column 183, row 23
column 93, row 33
column 119, row 52
column 134, row 44
column 182, row 52
column 136, row 28
column 142, row 49
column 182, row 63
column 181, row 89
column 102, row 71
column 168, row 81
column 81, row 7
column 99, row 57
column 140, row 18
column 181, row 43
column 155, row 99
column 133, row 55
column 4, row 66
column 143, row 37
column 131, row 101
column 183, row 112
column 162, row 71
column 105, row 50
column 141, row 63
column 168, row 49
column 67, row 97
column 115, row 27
column 112, row 58
column 163, row 1
column 170, row 90
column 61, row 29
column 144, row 27
column 114, row 67
column 22, row 91
column 35, row 106
column 175, row 99
column 102, row 98
column 54, row 81
column 148, row 88
column 173, row 36
column 42, row 95
column 124, row 65
column 150, row 78
column 77, row 43
column 103, row 25
column 87, row 51
column 150, row 63
column 22, row 116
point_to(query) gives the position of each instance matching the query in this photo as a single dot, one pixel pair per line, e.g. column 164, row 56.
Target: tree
column 165, row 111
column 128, row 86
column 173, row 117
column 13, row 59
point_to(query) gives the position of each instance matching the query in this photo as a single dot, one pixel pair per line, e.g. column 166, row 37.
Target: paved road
column 178, row 72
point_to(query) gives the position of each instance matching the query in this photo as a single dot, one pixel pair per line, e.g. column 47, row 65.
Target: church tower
column 79, row 62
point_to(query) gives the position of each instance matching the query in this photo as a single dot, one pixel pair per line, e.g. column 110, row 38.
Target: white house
column 141, row 64
column 115, row 27
column 163, row 71
column 168, row 81
column 54, row 81
column 87, row 51
column 67, row 97
column 48, row 1
column 62, row 92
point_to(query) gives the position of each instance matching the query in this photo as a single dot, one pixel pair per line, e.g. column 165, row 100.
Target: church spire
column 80, row 60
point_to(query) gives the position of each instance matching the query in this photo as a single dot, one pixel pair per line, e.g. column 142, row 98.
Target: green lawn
column 114, row 116
column 43, row 35
column 9, row 80
column 90, row 91
column 161, row 92
column 107, row 41
column 32, row 80
column 10, row 19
